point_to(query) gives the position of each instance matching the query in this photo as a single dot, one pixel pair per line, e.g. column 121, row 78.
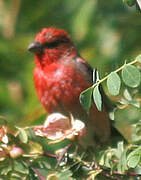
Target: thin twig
column 61, row 155
column 117, row 70
column 38, row 174
column 36, row 171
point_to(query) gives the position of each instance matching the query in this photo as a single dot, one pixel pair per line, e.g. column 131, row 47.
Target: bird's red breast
column 59, row 85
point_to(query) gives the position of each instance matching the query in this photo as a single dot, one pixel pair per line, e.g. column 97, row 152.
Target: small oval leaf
column 86, row 98
column 133, row 161
column 20, row 166
column 112, row 115
column 127, row 95
column 113, row 83
column 131, row 76
column 138, row 58
column 23, row 135
column 97, row 98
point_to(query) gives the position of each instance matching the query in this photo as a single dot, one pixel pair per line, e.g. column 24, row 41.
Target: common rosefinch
column 61, row 75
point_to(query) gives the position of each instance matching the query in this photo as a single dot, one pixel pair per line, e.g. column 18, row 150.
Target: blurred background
column 105, row 32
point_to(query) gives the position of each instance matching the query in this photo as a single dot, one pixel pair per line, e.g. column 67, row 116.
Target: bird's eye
column 51, row 45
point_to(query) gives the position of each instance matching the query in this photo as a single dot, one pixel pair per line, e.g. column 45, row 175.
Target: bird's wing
column 84, row 67
column 91, row 75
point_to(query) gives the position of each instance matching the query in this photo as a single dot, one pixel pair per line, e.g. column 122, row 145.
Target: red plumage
column 61, row 75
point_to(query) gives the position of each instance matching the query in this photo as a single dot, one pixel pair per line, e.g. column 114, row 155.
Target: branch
column 117, row 70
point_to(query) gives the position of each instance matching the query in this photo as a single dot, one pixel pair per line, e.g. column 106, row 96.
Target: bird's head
column 52, row 44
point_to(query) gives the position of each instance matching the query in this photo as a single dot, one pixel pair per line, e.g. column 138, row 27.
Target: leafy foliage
column 28, row 155
column 100, row 36
column 40, row 159
column 131, row 77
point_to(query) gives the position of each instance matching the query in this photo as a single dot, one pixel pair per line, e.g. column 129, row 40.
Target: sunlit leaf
column 136, row 135
column 65, row 175
column 6, row 169
column 137, row 151
column 94, row 173
column 131, row 76
column 97, row 98
column 20, row 166
column 46, row 164
column 108, row 159
column 120, row 149
column 112, row 115
column 113, row 83
column 86, row 98
column 23, row 135
column 138, row 58
column 135, row 103
column 54, row 176
column 133, row 161
column 139, row 3
column 123, row 101
column 35, row 147
column 127, row 95
column 122, row 166
column 102, row 160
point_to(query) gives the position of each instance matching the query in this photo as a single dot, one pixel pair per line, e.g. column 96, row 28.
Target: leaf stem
column 117, row 70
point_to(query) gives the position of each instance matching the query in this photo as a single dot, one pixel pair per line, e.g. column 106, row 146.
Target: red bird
column 60, row 75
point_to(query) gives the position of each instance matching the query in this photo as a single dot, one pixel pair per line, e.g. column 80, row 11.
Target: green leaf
column 127, row 95
column 53, row 176
column 120, row 149
column 35, row 148
column 46, row 165
column 135, row 103
column 121, row 155
column 108, row 160
column 15, row 176
column 112, row 115
column 20, row 166
column 23, row 135
column 138, row 58
column 94, row 173
column 64, row 175
column 6, row 170
column 86, row 98
column 30, row 134
column 113, row 83
column 131, row 76
column 102, row 160
column 122, row 166
column 137, row 151
column 133, row 161
column 97, row 98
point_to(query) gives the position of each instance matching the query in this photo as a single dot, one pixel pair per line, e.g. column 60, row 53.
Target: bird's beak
column 35, row 47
